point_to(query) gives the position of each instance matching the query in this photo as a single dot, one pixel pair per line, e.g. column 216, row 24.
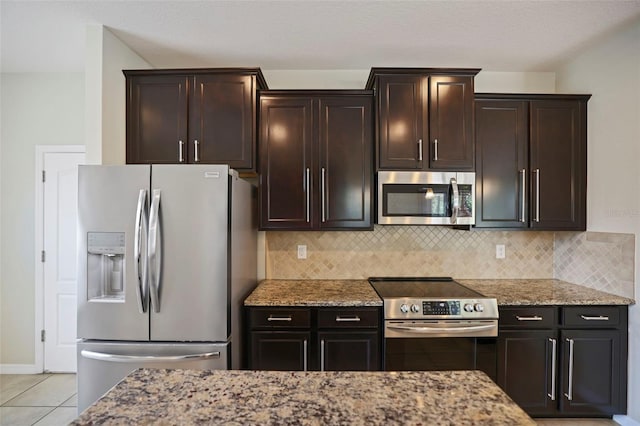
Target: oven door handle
column 448, row 329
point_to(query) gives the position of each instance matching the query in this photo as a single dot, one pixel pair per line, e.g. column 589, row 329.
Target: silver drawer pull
column 348, row 319
column 533, row 318
column 598, row 318
column 272, row 318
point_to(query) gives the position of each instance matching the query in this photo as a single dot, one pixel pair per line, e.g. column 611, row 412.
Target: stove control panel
column 440, row 308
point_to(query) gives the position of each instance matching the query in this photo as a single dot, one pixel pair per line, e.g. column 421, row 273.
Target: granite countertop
column 172, row 397
column 313, row 293
column 542, row 292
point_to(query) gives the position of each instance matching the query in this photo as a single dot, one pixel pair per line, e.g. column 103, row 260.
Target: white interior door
column 60, row 194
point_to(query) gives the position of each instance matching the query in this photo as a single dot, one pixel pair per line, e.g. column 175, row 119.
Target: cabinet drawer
column 279, row 318
column 591, row 316
column 348, row 318
column 529, row 317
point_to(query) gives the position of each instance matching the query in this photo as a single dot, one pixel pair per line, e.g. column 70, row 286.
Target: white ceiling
column 496, row 35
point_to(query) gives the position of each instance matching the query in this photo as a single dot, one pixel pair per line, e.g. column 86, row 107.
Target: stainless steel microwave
column 426, row 198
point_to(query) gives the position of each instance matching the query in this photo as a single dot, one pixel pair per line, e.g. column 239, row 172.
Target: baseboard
column 625, row 420
column 19, row 369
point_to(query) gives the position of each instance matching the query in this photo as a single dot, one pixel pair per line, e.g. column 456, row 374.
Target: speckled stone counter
column 542, row 292
column 177, row 397
column 313, row 293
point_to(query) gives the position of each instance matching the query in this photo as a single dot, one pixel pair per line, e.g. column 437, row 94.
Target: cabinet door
column 286, row 163
column 501, row 163
column 157, row 119
column 558, row 164
column 402, row 124
column 591, row 378
column 349, row 351
column 279, row 350
column 345, row 126
column 222, row 120
column 526, row 361
column 451, row 122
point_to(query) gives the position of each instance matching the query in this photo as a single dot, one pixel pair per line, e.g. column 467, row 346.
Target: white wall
column 36, row 109
column 610, row 71
column 106, row 57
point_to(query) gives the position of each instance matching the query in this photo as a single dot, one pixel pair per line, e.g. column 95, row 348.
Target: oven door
column 441, row 345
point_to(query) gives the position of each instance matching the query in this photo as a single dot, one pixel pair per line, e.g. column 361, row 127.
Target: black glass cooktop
column 421, row 288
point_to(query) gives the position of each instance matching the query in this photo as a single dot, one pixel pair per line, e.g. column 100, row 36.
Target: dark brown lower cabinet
column 564, row 361
column 312, row 339
column 279, row 350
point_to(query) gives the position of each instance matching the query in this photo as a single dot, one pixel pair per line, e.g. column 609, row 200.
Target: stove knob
column 478, row 307
column 404, row 308
column 468, row 307
column 415, row 308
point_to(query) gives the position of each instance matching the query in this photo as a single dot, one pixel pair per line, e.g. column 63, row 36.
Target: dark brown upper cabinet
column 531, row 161
column 424, row 118
column 315, row 159
column 193, row 116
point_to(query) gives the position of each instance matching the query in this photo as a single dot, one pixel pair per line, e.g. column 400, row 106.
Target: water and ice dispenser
column 105, row 266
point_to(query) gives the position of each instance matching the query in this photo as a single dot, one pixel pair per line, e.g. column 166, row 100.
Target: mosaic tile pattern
column 598, row 260
column 409, row 251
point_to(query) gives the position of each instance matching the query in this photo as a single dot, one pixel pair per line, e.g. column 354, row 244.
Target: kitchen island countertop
column 168, row 397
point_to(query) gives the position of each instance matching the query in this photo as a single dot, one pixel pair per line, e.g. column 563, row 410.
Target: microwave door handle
column 455, row 201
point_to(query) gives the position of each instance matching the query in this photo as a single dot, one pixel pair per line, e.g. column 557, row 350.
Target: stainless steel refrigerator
column 166, row 255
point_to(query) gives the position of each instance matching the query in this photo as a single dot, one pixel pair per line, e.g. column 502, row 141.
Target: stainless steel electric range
column 436, row 323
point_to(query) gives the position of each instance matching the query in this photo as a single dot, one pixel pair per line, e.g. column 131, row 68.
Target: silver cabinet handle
column 272, row 318
column 348, row 319
column 435, row 150
column 308, row 182
column 456, row 201
column 140, row 359
column 554, row 354
column 140, row 260
column 180, row 152
column 196, row 153
column 304, row 355
column 569, row 393
column 537, row 172
column 155, row 250
column 533, row 318
column 523, row 182
column 323, row 192
column 595, row 318
column 419, row 149
column 322, row 355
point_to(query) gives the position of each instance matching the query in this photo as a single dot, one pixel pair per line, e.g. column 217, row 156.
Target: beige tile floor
column 51, row 400
column 37, row 399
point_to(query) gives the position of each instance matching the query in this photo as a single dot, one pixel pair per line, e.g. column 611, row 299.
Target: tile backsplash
column 599, row 260
column 409, row 251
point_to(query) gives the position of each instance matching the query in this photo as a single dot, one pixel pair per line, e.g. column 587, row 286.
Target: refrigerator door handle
column 140, row 264
column 139, row 359
column 155, row 250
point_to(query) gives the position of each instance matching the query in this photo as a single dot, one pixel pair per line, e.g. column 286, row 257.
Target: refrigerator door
column 101, row 365
column 111, row 246
column 188, row 245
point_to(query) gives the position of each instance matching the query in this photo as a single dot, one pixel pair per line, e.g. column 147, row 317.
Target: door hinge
column 42, row 335
column 42, row 256
column 44, row 176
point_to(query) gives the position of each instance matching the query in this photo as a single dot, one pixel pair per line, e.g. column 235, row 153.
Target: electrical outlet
column 302, row 251
column 500, row 251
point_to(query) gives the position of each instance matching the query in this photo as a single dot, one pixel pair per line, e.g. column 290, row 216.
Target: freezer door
column 111, row 300
column 188, row 244
column 101, row 365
